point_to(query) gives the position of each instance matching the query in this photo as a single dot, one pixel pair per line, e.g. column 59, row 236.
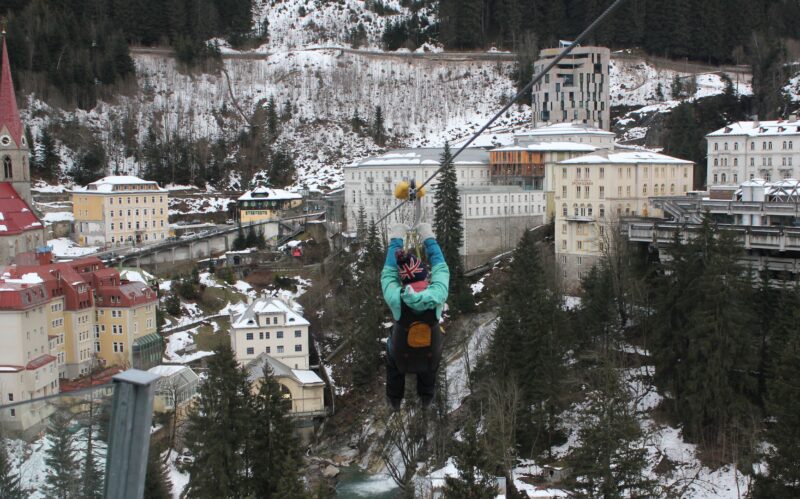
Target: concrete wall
column 487, row 237
column 572, row 267
column 10, row 245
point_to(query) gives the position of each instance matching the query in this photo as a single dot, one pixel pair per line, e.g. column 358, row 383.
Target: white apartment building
column 748, row 150
column 594, row 191
column 27, row 368
column 494, row 215
column 576, row 90
column 120, row 210
column 268, row 325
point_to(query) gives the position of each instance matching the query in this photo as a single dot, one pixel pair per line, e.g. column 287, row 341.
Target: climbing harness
column 407, row 191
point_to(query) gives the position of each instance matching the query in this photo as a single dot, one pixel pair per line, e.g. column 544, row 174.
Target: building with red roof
column 99, row 316
column 28, row 370
column 20, row 229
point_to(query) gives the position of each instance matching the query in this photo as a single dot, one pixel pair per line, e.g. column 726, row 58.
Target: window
column 280, row 348
column 564, row 210
column 10, row 397
column 249, row 336
column 269, row 350
column 298, row 334
column 602, row 192
column 7, row 168
column 578, row 191
column 724, row 178
column 644, row 190
column 279, row 335
column 298, row 348
column 602, row 211
column 602, row 172
column 563, row 173
column 250, row 351
column 563, row 191
column 735, row 178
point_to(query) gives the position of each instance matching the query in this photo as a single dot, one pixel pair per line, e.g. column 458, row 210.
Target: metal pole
column 129, row 434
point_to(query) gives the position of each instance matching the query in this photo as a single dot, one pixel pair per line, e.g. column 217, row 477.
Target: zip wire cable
column 521, row 93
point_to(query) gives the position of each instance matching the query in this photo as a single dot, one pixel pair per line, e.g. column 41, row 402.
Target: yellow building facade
column 593, row 192
column 120, row 211
column 263, row 204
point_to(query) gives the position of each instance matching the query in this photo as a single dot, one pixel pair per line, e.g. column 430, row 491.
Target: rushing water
column 355, row 483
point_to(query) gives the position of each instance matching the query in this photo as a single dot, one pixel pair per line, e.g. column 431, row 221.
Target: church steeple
column 9, row 113
column 14, row 152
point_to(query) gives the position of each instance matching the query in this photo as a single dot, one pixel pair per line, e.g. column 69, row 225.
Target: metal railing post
column 129, row 434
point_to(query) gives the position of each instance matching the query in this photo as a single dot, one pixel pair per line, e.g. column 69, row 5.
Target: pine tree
column 369, row 310
column 449, row 229
column 240, row 241
column 10, row 487
column 528, row 345
column 157, row 483
column 378, row 127
column 47, row 158
column 612, row 456
column 272, row 120
column 281, row 170
column 92, row 472
column 783, row 459
column 475, row 479
column 62, row 481
column 702, row 335
column 361, row 223
column 218, row 430
column 252, row 238
column 276, row 457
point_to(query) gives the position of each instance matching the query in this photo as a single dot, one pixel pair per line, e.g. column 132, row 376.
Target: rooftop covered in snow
column 269, row 194
column 759, row 129
column 424, row 156
column 605, row 156
column 255, row 371
column 121, row 183
column 549, row 147
column 565, row 128
column 270, row 305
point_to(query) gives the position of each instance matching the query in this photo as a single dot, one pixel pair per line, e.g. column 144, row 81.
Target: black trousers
column 396, row 381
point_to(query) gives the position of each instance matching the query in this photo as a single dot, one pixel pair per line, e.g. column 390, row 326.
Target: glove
column 425, row 232
column 398, row 231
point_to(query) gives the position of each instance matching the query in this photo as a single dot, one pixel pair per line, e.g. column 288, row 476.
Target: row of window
column 264, row 335
column 765, row 145
column 121, row 226
column 120, row 213
column 297, row 348
column 785, row 161
column 659, row 172
column 146, row 237
column 136, row 199
column 507, row 210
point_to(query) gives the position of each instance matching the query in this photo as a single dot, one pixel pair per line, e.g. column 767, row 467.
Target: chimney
column 793, row 117
column 249, row 299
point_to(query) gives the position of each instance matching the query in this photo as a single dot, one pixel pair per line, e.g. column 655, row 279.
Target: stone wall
column 488, row 237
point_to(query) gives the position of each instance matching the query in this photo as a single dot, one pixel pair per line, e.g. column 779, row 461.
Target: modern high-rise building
column 576, row 90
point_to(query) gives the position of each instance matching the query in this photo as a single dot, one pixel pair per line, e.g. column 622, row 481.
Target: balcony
column 580, row 218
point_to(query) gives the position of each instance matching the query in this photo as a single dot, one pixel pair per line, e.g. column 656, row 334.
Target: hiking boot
column 426, row 400
column 394, row 404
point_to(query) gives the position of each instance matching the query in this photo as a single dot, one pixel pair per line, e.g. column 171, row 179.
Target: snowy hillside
column 425, row 101
column 325, row 23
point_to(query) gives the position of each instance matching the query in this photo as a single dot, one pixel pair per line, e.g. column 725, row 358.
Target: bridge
column 204, row 245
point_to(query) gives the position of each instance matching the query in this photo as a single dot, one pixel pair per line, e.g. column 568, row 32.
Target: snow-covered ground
column 67, row 248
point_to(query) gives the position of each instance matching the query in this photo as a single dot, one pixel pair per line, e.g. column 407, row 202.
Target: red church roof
column 15, row 214
column 9, row 114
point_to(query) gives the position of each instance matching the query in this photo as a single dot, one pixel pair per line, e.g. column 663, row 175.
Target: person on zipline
column 415, row 343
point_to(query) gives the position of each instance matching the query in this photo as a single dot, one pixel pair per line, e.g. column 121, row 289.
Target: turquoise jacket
column 431, row 297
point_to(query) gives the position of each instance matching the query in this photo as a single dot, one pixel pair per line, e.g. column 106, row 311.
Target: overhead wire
column 567, row 50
